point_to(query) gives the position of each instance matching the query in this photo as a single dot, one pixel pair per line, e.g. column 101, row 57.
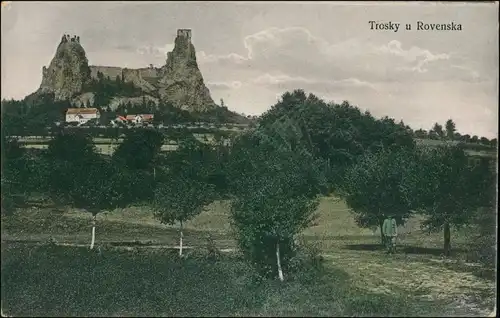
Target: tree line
column 301, row 149
column 449, row 132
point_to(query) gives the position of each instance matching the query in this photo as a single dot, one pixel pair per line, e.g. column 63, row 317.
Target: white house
column 141, row 118
column 81, row 115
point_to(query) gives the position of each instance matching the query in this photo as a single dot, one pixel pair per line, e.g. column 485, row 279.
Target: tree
column 466, row 138
column 438, row 129
column 421, row 133
column 484, row 220
column 14, row 179
column 181, row 198
column 78, row 176
column 474, row 139
column 450, row 129
column 484, row 141
column 449, row 190
column 381, row 184
column 339, row 134
column 66, row 154
column 139, row 148
column 97, row 187
column 274, row 199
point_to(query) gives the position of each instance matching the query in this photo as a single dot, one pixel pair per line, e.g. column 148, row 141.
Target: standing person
column 389, row 229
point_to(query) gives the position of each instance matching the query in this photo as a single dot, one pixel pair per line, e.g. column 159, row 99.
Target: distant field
column 360, row 278
column 108, row 145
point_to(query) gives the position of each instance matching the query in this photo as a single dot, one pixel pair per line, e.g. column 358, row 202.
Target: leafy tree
column 474, row 139
column 139, row 148
column 450, row 129
column 421, row 133
column 274, row 199
column 78, row 176
column 466, row 138
column 484, row 141
column 32, row 115
column 381, row 184
column 438, row 129
column 67, row 153
column 339, row 134
column 98, row 187
column 71, row 146
column 14, row 178
column 182, row 197
column 449, row 189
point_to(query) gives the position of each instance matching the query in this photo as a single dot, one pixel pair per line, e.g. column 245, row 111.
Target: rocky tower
column 68, row 71
column 181, row 82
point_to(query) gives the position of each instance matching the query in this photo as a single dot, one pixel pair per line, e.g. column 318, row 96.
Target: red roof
column 144, row 116
column 82, row 111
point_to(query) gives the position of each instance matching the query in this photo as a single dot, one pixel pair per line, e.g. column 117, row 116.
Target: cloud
column 419, row 57
column 231, row 58
column 224, row 85
column 297, row 52
column 286, row 81
column 157, row 51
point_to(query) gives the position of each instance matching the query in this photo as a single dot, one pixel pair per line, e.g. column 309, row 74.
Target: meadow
column 48, row 269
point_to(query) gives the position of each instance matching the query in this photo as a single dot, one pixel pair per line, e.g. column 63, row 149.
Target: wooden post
column 93, row 231
column 280, row 271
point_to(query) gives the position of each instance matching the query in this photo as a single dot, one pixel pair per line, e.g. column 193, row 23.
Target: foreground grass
column 359, row 279
column 69, row 281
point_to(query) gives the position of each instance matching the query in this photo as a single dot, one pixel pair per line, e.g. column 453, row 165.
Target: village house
column 81, row 115
column 118, row 120
column 140, row 118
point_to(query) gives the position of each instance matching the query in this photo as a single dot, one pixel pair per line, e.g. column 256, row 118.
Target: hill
column 177, row 85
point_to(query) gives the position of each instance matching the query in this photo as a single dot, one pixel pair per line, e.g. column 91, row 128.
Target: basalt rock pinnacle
column 68, row 71
column 182, row 83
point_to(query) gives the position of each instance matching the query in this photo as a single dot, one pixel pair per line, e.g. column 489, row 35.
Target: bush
column 483, row 238
column 307, row 262
column 275, row 195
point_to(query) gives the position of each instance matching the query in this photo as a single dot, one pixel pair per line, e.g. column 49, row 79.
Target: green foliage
column 139, row 149
column 105, row 89
column 71, row 146
column 168, row 114
column 381, row 184
column 65, row 162
column 449, row 189
column 182, row 198
column 76, row 175
column 100, row 186
column 450, row 129
column 183, row 190
column 32, row 115
column 437, row 129
column 14, row 178
column 339, row 134
column 274, row 198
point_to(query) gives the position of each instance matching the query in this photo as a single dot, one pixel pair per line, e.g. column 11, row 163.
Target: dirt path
column 465, row 293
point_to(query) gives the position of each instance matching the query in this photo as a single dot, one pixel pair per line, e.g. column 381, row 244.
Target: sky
column 250, row 53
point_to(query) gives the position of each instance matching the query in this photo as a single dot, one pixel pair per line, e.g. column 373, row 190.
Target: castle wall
column 110, row 71
column 149, row 72
column 113, row 71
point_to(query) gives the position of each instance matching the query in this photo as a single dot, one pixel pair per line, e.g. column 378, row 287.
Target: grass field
column 135, row 274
